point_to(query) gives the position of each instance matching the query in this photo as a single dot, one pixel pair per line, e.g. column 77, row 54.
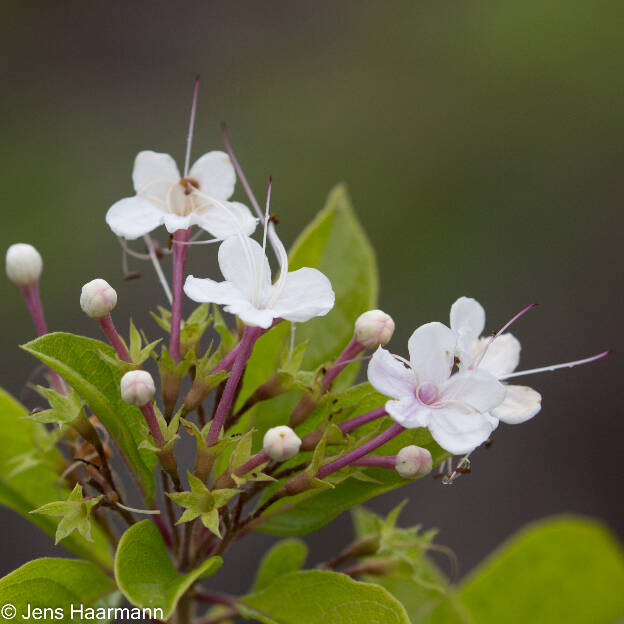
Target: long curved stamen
column 554, row 367
column 282, row 258
column 208, row 241
column 159, row 272
column 266, row 214
column 481, row 354
column 189, row 138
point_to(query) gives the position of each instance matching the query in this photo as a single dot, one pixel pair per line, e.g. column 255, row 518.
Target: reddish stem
column 362, row 419
column 255, row 461
column 359, row 452
column 250, row 335
column 353, row 349
column 162, row 527
column 179, row 259
column 377, row 461
column 152, row 423
column 108, row 327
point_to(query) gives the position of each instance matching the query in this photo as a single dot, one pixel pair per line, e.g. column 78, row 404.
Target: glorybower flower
column 163, row 196
column 499, row 356
column 424, row 393
column 248, row 291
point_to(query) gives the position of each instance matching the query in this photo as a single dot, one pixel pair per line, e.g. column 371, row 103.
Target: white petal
column 133, row 217
column 244, row 263
column 476, row 388
column 153, row 173
column 215, row 175
column 459, row 432
column 306, row 293
column 388, row 376
column 468, row 323
column 409, row 413
column 225, row 219
column 432, row 349
column 209, row 291
column 502, row 356
column 520, row 405
column 250, row 315
column 174, row 222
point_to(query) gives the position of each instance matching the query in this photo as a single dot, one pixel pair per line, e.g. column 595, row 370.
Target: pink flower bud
column 281, row 443
column 413, row 461
column 23, row 264
column 97, row 298
column 137, row 387
column 373, row 328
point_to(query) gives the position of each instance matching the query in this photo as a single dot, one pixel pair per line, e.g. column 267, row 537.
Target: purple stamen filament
column 554, row 367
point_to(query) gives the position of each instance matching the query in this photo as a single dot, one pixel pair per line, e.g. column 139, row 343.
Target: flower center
column 188, row 184
column 427, row 392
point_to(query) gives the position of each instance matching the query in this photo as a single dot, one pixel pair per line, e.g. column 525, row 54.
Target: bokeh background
column 483, row 146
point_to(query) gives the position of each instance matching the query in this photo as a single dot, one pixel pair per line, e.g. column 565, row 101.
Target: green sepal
column 75, row 513
column 240, row 455
column 228, row 340
column 194, row 327
column 168, row 430
column 163, row 318
column 138, row 353
column 64, row 409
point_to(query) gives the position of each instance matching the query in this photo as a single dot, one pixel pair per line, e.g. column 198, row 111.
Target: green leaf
column 77, row 359
column 319, row 597
column 145, row 574
column 55, row 584
column 286, row 556
column 37, row 482
column 564, row 569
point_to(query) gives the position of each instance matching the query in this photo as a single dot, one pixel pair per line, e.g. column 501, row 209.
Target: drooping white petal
column 502, row 355
column 154, row 173
column 476, row 388
column 468, row 323
column 133, row 217
column 520, row 405
column 388, row 376
column 243, row 262
column 250, row 315
column 459, row 432
column 204, row 290
column 306, row 293
column 225, row 219
column 408, row 412
column 174, row 222
column 432, row 349
column 215, row 174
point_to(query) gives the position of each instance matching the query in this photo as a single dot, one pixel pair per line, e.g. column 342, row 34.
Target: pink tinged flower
column 424, row 393
column 499, row 356
column 248, row 292
column 163, row 196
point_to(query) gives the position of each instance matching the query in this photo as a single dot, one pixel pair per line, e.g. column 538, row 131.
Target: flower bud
column 137, row 387
column 97, row 298
column 373, row 328
column 23, row 264
column 413, row 461
column 281, row 443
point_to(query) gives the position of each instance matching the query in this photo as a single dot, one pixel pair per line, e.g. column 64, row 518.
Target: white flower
column 373, row 328
column 97, row 298
column 499, row 356
column 165, row 197
column 454, row 407
column 137, row 387
column 248, row 292
column 281, row 443
column 413, row 461
column 23, row 264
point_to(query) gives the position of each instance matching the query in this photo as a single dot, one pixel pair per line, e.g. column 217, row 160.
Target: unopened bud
column 281, row 443
column 97, row 298
column 413, row 461
column 137, row 387
column 373, row 328
column 23, row 264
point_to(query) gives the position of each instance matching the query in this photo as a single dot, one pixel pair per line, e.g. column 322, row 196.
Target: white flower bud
column 373, row 328
column 97, row 298
column 23, row 264
column 281, row 443
column 413, row 461
column 137, row 387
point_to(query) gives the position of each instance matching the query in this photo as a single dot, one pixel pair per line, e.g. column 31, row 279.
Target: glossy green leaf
column 55, row 584
column 78, row 360
column 320, row 597
column 286, row 556
column 145, row 574
column 37, row 483
column 562, row 569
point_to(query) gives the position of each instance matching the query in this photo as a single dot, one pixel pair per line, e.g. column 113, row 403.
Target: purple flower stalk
column 180, row 252
column 108, row 327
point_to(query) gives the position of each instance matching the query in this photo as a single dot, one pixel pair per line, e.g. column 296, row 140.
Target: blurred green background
column 482, row 143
